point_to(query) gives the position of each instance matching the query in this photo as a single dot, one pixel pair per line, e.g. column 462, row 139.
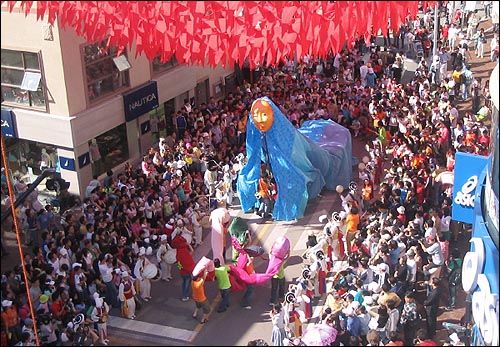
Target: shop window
column 159, row 67
column 103, row 76
column 22, row 80
column 113, row 147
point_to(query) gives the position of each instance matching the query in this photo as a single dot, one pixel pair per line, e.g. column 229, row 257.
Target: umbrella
column 319, row 335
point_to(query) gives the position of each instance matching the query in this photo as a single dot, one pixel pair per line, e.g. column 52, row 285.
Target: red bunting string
column 224, row 32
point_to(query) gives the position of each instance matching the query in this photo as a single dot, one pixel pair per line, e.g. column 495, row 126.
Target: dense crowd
column 395, row 230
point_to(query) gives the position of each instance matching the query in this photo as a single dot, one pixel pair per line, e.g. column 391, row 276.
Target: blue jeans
column 247, row 297
column 186, row 285
column 224, row 301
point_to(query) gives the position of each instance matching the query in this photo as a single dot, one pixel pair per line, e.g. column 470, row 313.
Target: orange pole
column 18, row 237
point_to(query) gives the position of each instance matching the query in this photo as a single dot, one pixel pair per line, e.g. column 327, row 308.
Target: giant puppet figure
column 302, row 162
column 220, row 219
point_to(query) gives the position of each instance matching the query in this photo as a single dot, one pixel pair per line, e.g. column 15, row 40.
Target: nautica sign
column 140, row 101
column 144, row 101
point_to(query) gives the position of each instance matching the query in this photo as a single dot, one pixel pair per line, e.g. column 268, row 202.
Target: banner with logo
column 140, row 101
column 468, row 168
column 8, row 126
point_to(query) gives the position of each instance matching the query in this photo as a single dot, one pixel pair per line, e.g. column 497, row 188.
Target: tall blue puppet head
column 296, row 177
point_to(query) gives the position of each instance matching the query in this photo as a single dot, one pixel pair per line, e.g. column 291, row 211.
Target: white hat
column 154, row 237
column 181, row 164
column 168, row 226
column 383, row 267
column 178, row 173
column 77, row 264
column 142, row 251
column 163, row 237
column 171, row 221
column 368, row 300
column 6, row 303
column 355, row 305
column 348, row 311
column 146, row 240
column 149, row 250
column 63, row 251
column 401, row 210
column 386, row 236
column 124, row 274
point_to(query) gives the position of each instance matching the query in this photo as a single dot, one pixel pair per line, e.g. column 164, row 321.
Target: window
column 22, row 81
column 159, row 67
column 113, row 147
column 103, row 76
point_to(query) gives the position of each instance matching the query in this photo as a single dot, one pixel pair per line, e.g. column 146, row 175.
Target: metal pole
column 436, row 29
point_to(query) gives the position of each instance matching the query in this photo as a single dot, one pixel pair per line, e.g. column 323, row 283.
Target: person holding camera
column 106, row 271
column 48, row 327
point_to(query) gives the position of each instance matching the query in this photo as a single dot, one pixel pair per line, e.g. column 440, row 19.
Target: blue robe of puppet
column 301, row 168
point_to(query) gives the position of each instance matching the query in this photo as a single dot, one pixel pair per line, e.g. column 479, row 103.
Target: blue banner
column 468, row 168
column 84, row 160
column 8, row 126
column 67, row 163
column 140, row 101
column 145, row 127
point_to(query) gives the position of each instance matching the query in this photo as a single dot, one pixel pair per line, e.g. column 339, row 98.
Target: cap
column 124, row 274
column 163, row 237
column 142, row 251
column 410, row 252
column 6, row 303
column 149, row 250
column 28, row 321
column 44, row 298
column 401, row 210
column 63, row 251
column 77, row 264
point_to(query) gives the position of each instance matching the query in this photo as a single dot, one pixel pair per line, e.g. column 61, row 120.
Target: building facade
column 83, row 110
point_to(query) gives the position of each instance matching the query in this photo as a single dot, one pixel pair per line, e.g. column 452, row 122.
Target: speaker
column 306, row 273
column 320, row 255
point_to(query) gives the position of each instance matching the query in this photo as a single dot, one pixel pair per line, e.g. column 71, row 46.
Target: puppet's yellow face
column 262, row 115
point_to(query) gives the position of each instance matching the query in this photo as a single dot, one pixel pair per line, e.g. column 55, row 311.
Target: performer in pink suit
column 220, row 219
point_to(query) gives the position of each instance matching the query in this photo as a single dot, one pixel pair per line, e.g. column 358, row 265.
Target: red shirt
column 426, row 343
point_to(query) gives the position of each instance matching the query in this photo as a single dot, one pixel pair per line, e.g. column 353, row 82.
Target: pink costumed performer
column 205, row 264
column 279, row 252
column 220, row 218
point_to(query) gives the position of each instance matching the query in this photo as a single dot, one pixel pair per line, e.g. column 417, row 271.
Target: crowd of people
column 394, row 231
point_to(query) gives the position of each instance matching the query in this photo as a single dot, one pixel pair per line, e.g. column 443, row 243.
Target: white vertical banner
column 470, row 6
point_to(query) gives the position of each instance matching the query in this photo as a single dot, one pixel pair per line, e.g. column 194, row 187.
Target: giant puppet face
column 262, row 115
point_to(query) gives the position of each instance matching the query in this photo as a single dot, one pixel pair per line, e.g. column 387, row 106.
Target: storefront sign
column 140, row 101
column 484, row 302
column 467, row 170
column 8, row 126
column 84, row 160
column 67, row 163
column 145, row 127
